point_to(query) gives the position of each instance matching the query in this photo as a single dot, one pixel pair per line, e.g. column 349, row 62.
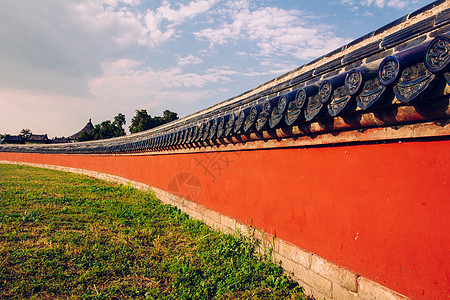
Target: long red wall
column 380, row 210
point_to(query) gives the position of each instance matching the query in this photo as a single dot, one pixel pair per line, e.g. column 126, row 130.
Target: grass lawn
column 66, row 236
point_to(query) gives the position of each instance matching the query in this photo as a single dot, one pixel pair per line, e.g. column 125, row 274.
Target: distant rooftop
column 87, row 128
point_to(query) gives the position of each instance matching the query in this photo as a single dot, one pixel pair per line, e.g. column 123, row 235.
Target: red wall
column 380, row 210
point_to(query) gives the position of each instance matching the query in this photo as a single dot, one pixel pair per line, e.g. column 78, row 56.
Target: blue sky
column 63, row 62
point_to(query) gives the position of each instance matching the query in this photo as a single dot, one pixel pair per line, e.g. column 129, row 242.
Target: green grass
column 66, row 236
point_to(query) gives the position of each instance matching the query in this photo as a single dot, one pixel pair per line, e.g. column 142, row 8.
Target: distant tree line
column 140, row 122
column 105, row 130
column 143, row 121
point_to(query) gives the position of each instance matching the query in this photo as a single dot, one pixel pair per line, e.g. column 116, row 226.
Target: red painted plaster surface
column 381, row 211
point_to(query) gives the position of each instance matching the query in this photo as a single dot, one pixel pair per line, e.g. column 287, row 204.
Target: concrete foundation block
column 313, row 292
column 209, row 213
column 228, row 222
column 370, row 290
column 292, row 252
column 340, row 293
column 195, row 215
column 286, row 263
column 334, row 273
column 210, row 222
column 243, row 228
column 320, row 284
column 191, row 205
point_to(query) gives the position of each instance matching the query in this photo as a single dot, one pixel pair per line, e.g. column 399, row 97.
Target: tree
column 118, row 123
column 169, row 116
column 25, row 133
column 84, row 136
column 143, row 121
column 119, row 120
column 105, row 130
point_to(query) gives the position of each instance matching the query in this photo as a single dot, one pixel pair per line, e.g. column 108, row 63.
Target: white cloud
column 276, row 32
column 397, row 4
column 389, row 3
column 131, row 80
column 189, row 60
column 122, row 24
column 115, row 3
column 184, row 12
column 278, row 67
column 128, row 26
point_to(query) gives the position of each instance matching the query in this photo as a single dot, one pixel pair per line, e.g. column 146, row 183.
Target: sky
column 63, row 62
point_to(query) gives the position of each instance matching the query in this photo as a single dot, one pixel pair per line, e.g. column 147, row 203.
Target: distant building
column 37, row 139
column 31, row 139
column 60, row 140
column 13, row 139
column 43, row 138
column 87, row 128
